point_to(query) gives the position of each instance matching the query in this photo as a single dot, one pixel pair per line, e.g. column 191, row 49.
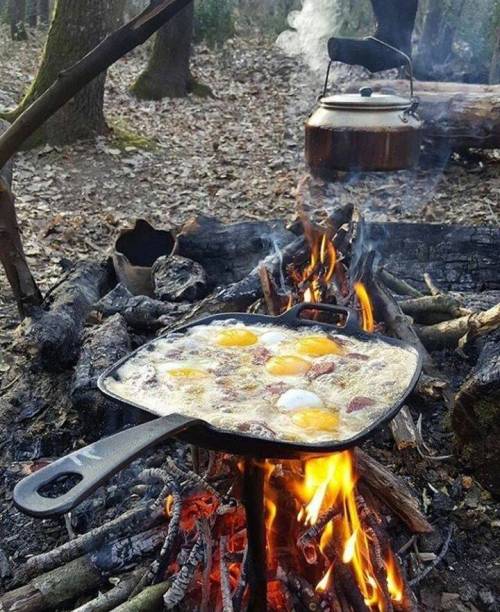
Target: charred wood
column 476, row 416
column 459, row 258
column 229, row 252
column 102, row 346
column 54, row 334
column 177, row 279
column 403, row 430
column 392, row 491
column 80, row 576
column 175, row 594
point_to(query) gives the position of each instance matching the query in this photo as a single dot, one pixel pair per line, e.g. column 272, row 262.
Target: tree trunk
column 17, row 14
column 32, row 11
column 44, row 11
column 77, row 27
column 167, row 73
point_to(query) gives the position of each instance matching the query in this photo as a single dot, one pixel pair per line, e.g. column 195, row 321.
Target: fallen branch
column 398, row 285
column 148, row 600
column 429, row 304
column 109, row 600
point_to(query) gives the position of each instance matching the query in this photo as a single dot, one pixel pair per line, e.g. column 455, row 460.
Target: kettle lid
column 366, row 99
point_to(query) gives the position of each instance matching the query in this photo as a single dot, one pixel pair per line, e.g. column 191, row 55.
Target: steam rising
column 311, row 28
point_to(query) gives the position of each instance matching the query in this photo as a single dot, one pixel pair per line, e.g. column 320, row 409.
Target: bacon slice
column 359, row 403
column 320, row 369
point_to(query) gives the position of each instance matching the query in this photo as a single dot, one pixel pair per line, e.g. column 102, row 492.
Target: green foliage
column 213, row 21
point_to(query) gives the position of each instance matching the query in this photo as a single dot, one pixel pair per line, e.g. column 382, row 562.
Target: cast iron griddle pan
column 99, row 461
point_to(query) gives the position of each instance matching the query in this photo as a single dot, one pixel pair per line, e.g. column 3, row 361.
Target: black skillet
column 99, row 461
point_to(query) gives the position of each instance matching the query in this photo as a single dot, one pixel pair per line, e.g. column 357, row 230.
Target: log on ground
column 455, row 115
column 476, row 416
column 54, row 335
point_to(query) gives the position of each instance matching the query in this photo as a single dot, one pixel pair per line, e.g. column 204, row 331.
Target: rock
column 178, row 279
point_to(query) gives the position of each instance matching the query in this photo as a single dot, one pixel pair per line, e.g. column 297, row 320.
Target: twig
column 205, row 532
column 444, row 304
column 434, row 290
column 239, row 590
column 190, row 479
column 422, row 446
column 436, row 561
column 182, row 580
column 398, row 285
column 225, row 586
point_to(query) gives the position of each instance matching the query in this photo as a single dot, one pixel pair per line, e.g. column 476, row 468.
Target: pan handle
column 292, row 317
column 94, row 464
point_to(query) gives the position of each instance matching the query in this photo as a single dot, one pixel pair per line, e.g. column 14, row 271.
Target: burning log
column 225, row 587
column 175, row 594
column 392, row 491
column 54, row 335
column 450, row 333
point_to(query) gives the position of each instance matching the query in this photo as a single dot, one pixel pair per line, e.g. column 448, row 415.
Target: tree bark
column 17, row 15
column 32, row 13
column 25, row 290
column 77, row 27
column 167, row 73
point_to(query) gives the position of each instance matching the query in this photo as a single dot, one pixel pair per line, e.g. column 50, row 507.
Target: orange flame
column 366, row 307
column 331, row 481
column 314, row 277
column 394, row 580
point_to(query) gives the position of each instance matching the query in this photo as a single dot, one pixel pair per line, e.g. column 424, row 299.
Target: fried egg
column 305, row 384
column 287, row 365
column 294, row 399
column 318, row 346
column 236, row 337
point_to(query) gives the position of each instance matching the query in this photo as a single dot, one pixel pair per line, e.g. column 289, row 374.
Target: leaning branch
column 70, row 81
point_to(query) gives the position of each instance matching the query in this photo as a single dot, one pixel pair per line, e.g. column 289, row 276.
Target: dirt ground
column 238, row 155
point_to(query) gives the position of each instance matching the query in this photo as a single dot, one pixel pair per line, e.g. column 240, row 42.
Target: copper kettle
column 364, row 131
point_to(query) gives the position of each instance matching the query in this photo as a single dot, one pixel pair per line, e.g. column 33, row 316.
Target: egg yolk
column 316, row 418
column 187, row 373
column 287, row 365
column 317, row 346
column 236, row 337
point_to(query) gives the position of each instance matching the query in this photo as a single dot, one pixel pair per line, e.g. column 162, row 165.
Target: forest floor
column 238, row 156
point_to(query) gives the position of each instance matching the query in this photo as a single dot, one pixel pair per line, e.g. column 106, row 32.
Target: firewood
column 102, row 346
column 149, row 600
column 80, row 576
column 109, row 600
column 181, row 581
column 449, row 333
column 421, row 308
column 54, row 335
column 476, row 416
column 403, row 430
column 271, row 297
column 176, row 279
column 130, row 522
column 398, row 285
column 225, row 585
column 230, row 252
column 392, row 491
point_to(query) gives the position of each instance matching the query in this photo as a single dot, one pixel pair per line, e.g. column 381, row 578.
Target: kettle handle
column 327, row 78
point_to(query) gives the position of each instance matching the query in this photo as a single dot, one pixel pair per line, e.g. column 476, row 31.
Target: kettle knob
column 366, row 92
